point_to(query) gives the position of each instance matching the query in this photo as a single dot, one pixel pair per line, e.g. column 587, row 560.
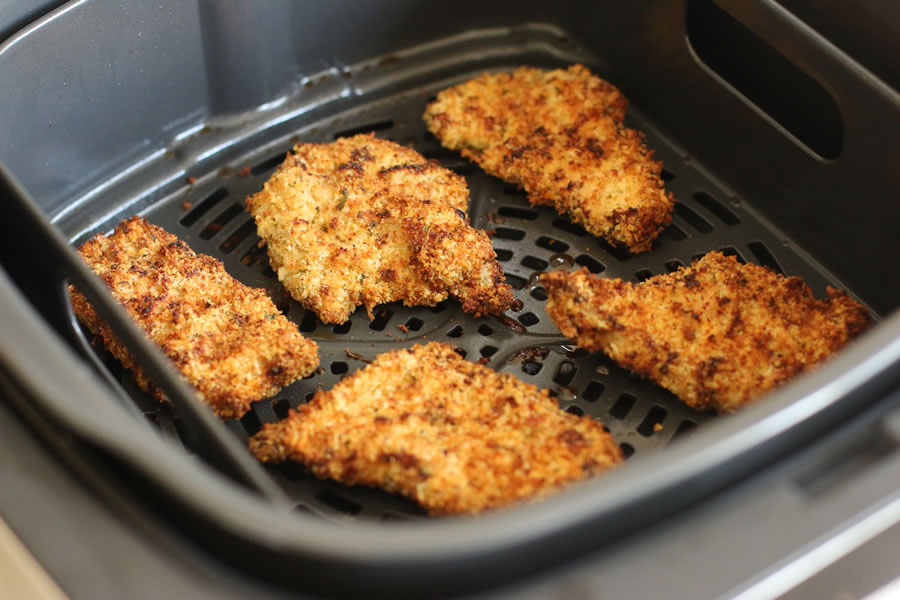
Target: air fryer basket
column 192, row 179
column 209, row 214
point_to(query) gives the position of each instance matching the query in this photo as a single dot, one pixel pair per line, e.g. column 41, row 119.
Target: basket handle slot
column 765, row 78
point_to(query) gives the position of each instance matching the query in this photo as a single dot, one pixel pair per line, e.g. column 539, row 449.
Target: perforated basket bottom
column 388, row 96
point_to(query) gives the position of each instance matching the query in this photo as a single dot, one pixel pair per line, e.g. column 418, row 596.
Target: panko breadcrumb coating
column 227, row 340
column 454, row 436
column 559, row 135
column 718, row 334
column 367, row 221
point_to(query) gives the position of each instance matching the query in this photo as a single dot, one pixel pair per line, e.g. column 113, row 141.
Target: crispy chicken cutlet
column 559, row 135
column 227, row 340
column 454, row 436
column 367, row 221
column 718, row 334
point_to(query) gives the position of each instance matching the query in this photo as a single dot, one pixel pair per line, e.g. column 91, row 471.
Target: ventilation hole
column 674, row 265
column 251, row 423
column 716, row 208
column 309, row 322
column 377, row 126
column 456, row 332
column 255, row 256
column 684, row 428
column 511, row 189
column 569, row 226
column 309, row 396
column 553, row 393
column 381, row 319
column 765, row 258
column 574, row 410
column 593, row 265
column 565, row 373
column 203, row 207
column 529, row 319
column 674, row 232
column 539, row 293
column 290, row 470
column 732, row 251
column 242, row 233
column 503, row 255
column 338, row 502
column 414, row 323
column 693, row 219
column 488, row 351
column 339, row 367
column 643, row 275
column 551, row 244
column 516, row 282
column 667, row 175
column 593, row 391
column 623, row 405
column 485, row 329
column 462, row 353
column 627, row 450
column 533, row 262
column 653, row 419
column 441, row 154
column 532, row 367
column 342, row 328
column 697, row 257
column 281, row 407
column 439, row 307
column 515, row 212
column 620, row 254
column 268, row 164
column 505, row 233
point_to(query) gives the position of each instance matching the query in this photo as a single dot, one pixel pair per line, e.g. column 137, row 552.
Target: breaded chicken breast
column 559, row 135
column 227, row 340
column 454, row 436
column 367, row 221
column 718, row 334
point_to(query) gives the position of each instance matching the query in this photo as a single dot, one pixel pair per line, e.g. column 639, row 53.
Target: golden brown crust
column 367, row 221
column 718, row 333
column 454, row 436
column 560, row 135
column 227, row 340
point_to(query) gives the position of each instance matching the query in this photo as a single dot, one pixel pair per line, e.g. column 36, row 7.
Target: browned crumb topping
column 452, row 435
column 560, row 135
column 367, row 221
column 228, row 340
column 718, row 334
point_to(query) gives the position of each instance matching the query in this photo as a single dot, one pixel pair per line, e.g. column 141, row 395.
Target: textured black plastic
column 117, row 105
column 209, row 215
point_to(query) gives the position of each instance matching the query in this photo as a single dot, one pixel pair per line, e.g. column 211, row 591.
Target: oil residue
column 511, row 323
column 569, row 350
column 562, row 260
column 535, row 353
